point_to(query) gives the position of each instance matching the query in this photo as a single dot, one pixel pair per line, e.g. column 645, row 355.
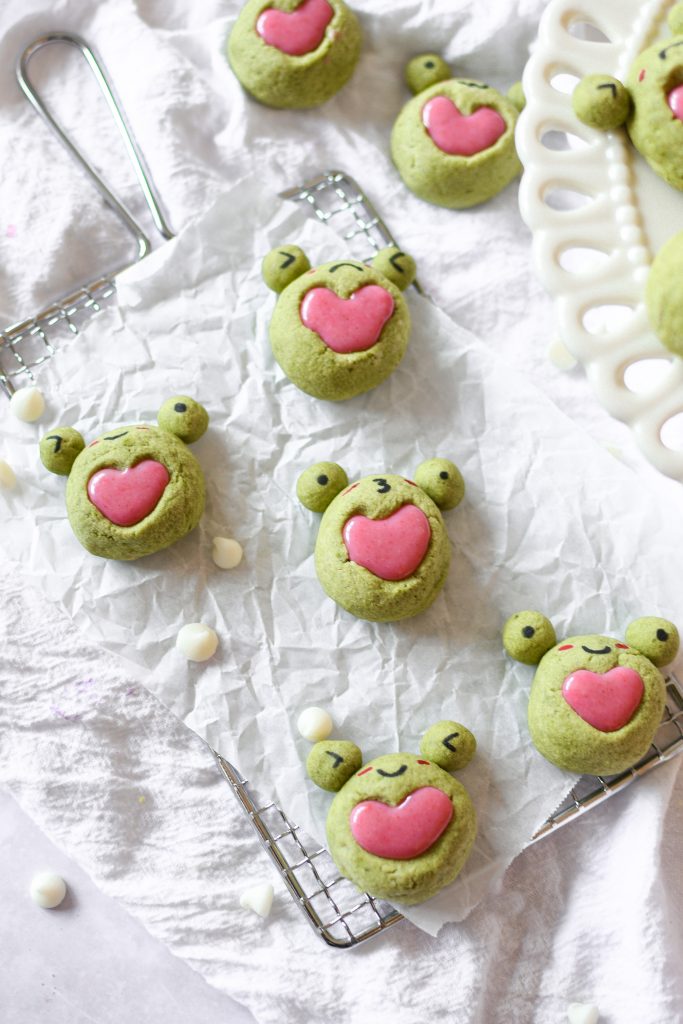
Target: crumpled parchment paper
column 550, row 520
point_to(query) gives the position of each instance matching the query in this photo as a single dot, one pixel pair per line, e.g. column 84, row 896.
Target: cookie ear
column 283, row 265
column 656, row 638
column 602, row 102
column 449, row 745
column 395, row 264
column 182, row 416
column 331, row 763
column 527, row 636
column 442, row 481
column 318, row 486
column 675, row 20
column 516, row 96
column 426, row 69
column 60, row 448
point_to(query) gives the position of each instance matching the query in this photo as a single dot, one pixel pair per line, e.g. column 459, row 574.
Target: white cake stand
column 598, row 215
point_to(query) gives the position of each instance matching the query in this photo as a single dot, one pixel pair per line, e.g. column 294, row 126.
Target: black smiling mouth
column 338, row 265
column 589, row 650
column 393, row 775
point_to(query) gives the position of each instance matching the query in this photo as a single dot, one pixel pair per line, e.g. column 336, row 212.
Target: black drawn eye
column 383, row 486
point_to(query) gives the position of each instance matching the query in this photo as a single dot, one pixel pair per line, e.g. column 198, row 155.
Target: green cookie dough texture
column 331, row 763
column 449, row 745
column 557, row 730
column 353, row 586
column 444, row 179
column 601, row 102
column 442, row 481
column 311, row 364
column 564, row 738
column 181, row 504
column 664, row 296
column 60, row 449
column 527, row 636
column 402, row 881
column 642, row 103
column 280, row 80
column 320, row 484
column 655, row 638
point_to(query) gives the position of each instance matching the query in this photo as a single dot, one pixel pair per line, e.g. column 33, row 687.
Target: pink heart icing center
column 390, row 548
column 126, row 496
column 606, row 701
column 347, row 325
column 461, row 134
column 675, row 101
column 404, row 831
column 295, row 32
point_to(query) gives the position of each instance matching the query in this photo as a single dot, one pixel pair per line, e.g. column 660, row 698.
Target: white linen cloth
column 488, row 285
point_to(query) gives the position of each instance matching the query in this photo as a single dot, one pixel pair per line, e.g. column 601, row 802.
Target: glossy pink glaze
column 675, row 101
column 459, row 134
column 347, row 325
column 390, row 548
column 404, row 831
column 295, row 32
column 126, row 496
column 606, row 701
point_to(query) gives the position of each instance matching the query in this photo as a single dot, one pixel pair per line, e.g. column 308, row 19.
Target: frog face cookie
column 135, row 489
column 649, row 104
column 294, row 53
column 382, row 551
column 341, row 328
column 453, row 144
column 595, row 702
column 399, row 827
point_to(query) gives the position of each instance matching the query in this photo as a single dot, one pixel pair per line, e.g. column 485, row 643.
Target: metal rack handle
column 132, row 149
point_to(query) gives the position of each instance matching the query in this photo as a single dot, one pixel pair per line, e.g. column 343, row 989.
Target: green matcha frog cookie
column 595, row 703
column 382, row 551
column 338, row 330
column 294, row 53
column 650, row 106
column 400, row 828
column 137, row 488
column 454, row 143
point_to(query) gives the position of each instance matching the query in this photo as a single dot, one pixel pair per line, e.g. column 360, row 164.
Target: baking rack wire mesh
column 342, row 916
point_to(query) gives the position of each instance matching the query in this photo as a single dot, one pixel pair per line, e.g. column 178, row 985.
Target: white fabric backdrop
column 199, row 133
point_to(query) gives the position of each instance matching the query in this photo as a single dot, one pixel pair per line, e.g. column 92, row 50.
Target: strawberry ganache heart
column 406, row 830
column 127, row 496
column 347, row 325
column 606, row 701
column 461, row 134
column 295, row 32
column 390, row 548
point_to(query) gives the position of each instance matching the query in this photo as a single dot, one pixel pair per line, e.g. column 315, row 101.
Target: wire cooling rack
column 341, row 915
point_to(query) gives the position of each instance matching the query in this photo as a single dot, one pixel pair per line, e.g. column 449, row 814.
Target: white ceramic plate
column 598, row 215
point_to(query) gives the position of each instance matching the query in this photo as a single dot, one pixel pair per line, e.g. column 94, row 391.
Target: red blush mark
column 641, row 76
column 349, row 489
column 412, row 485
column 92, row 443
column 624, row 647
column 565, row 647
column 365, row 771
column 422, row 762
column 142, row 428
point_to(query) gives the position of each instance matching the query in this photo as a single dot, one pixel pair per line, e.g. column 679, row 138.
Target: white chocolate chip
column 7, row 476
column 582, row 1013
column 197, row 641
column 47, row 890
column 560, row 356
column 227, row 553
column 258, row 898
column 314, row 724
column 27, row 404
